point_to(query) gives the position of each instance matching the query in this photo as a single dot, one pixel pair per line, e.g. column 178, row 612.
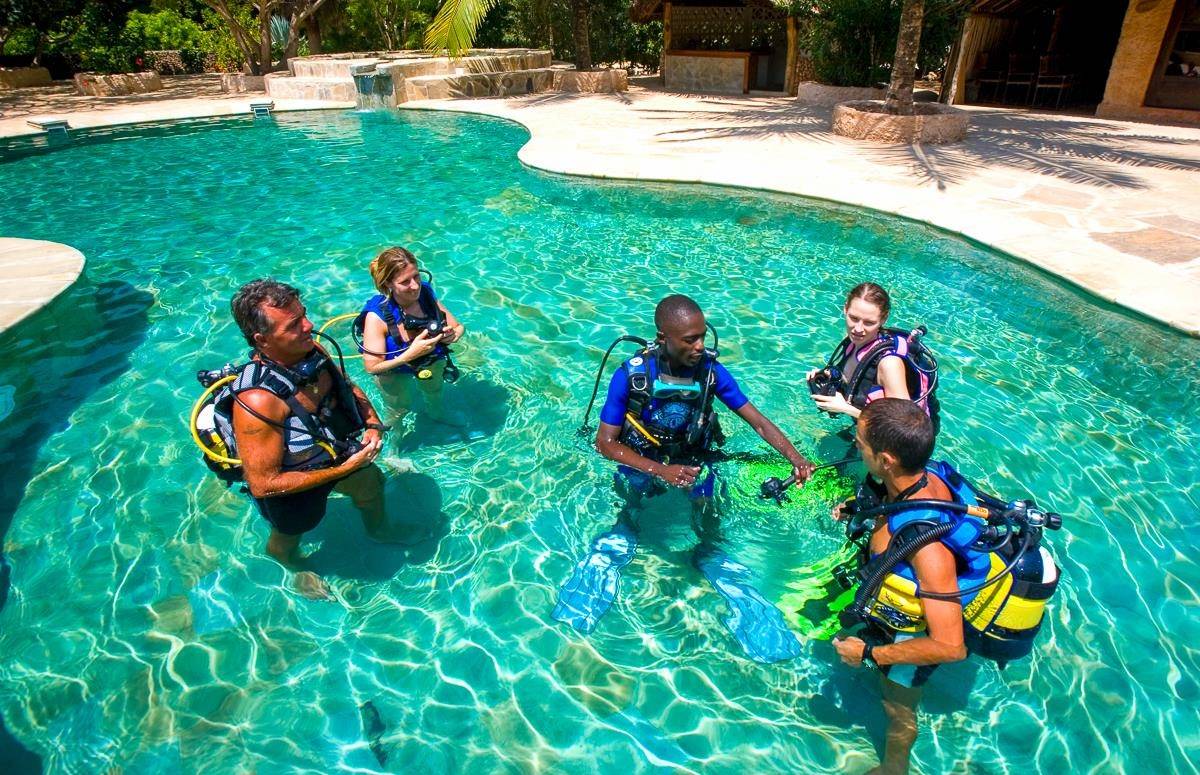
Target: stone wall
column 20, row 77
column 117, row 85
column 812, row 93
column 1142, row 36
column 931, row 123
column 282, row 86
column 239, row 83
column 718, row 74
column 594, row 82
column 474, row 85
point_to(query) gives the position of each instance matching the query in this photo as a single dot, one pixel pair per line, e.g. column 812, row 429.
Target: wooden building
column 724, row 46
column 1137, row 59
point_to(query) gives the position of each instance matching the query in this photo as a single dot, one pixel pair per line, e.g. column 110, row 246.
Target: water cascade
column 374, row 90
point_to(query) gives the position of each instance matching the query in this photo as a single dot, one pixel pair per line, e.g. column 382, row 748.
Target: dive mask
column 674, row 390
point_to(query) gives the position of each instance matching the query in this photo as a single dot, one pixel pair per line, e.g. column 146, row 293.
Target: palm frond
column 454, row 27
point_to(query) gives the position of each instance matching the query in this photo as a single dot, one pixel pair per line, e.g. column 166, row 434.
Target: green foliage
column 219, row 40
column 454, row 27
column 162, row 30
column 98, row 42
column 852, row 42
column 615, row 39
column 371, row 25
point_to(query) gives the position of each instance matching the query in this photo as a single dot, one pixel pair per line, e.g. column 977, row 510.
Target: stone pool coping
column 32, row 273
column 1102, row 204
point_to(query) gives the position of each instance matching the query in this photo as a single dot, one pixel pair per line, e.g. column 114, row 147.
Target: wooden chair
column 1051, row 79
column 985, row 76
column 1059, row 84
column 1022, row 81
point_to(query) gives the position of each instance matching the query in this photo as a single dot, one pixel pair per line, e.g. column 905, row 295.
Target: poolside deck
column 1111, row 206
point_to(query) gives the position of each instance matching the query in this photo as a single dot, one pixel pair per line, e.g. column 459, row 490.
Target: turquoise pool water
column 145, row 629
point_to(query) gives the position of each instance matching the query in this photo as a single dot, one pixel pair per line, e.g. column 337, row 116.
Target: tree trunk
column 314, row 36
column 581, row 12
column 899, row 100
column 264, row 39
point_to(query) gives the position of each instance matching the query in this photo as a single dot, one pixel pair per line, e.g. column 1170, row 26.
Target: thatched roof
column 1013, row 7
column 647, row 10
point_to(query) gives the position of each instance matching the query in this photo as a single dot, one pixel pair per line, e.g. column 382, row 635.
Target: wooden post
column 790, row 84
column 666, row 28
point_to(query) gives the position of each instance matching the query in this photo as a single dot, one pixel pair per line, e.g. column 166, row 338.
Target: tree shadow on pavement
column 1085, row 152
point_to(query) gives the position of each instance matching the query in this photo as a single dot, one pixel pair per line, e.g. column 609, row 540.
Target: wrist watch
column 868, row 656
column 375, row 426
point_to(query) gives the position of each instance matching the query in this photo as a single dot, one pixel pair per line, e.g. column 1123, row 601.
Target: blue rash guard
column 660, row 412
column 384, row 307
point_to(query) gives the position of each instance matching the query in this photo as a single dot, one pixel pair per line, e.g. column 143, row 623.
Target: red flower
column 138, row 61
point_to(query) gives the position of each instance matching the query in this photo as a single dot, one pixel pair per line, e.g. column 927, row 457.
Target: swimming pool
column 145, row 629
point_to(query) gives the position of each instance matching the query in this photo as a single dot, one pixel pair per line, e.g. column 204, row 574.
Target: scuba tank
column 333, row 432
column 1003, row 612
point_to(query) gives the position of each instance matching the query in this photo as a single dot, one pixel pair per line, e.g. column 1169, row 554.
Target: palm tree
column 454, row 28
column 899, row 98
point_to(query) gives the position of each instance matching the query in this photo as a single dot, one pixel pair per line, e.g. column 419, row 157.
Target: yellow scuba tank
column 1002, row 621
column 1003, row 606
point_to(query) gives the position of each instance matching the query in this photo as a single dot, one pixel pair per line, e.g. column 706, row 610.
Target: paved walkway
column 32, row 272
column 182, row 96
column 1113, row 207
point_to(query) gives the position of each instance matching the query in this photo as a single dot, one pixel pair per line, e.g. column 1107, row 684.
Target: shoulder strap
column 637, row 375
column 867, row 363
column 839, row 355
column 256, row 375
column 388, row 314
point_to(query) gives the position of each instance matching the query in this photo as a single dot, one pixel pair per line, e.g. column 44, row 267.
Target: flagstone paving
column 1111, row 206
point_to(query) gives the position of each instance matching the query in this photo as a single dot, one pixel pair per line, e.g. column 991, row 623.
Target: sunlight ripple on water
column 144, row 628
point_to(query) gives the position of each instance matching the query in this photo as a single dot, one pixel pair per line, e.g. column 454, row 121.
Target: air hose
column 583, row 429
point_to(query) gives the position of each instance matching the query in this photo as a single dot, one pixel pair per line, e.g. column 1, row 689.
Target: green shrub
column 852, row 42
column 163, row 30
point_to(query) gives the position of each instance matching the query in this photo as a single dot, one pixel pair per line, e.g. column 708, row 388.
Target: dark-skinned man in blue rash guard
column 658, row 424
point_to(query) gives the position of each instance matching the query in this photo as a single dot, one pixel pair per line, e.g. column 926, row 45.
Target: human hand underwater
column 850, row 650
column 680, row 476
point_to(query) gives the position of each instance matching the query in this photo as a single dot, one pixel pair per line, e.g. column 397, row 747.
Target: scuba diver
column 406, row 337
column 658, row 424
column 874, row 361
column 942, row 574
column 292, row 426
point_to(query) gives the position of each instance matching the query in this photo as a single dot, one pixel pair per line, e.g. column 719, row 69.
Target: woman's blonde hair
column 386, row 265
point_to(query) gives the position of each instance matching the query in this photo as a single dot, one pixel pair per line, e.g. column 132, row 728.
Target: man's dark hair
column 675, row 308
column 248, row 303
column 900, row 427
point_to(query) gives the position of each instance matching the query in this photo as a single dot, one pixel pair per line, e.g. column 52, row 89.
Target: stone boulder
column 117, row 85
column 20, row 77
column 239, row 83
column 931, row 123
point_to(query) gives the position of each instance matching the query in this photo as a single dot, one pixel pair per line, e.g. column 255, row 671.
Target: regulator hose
column 583, row 429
